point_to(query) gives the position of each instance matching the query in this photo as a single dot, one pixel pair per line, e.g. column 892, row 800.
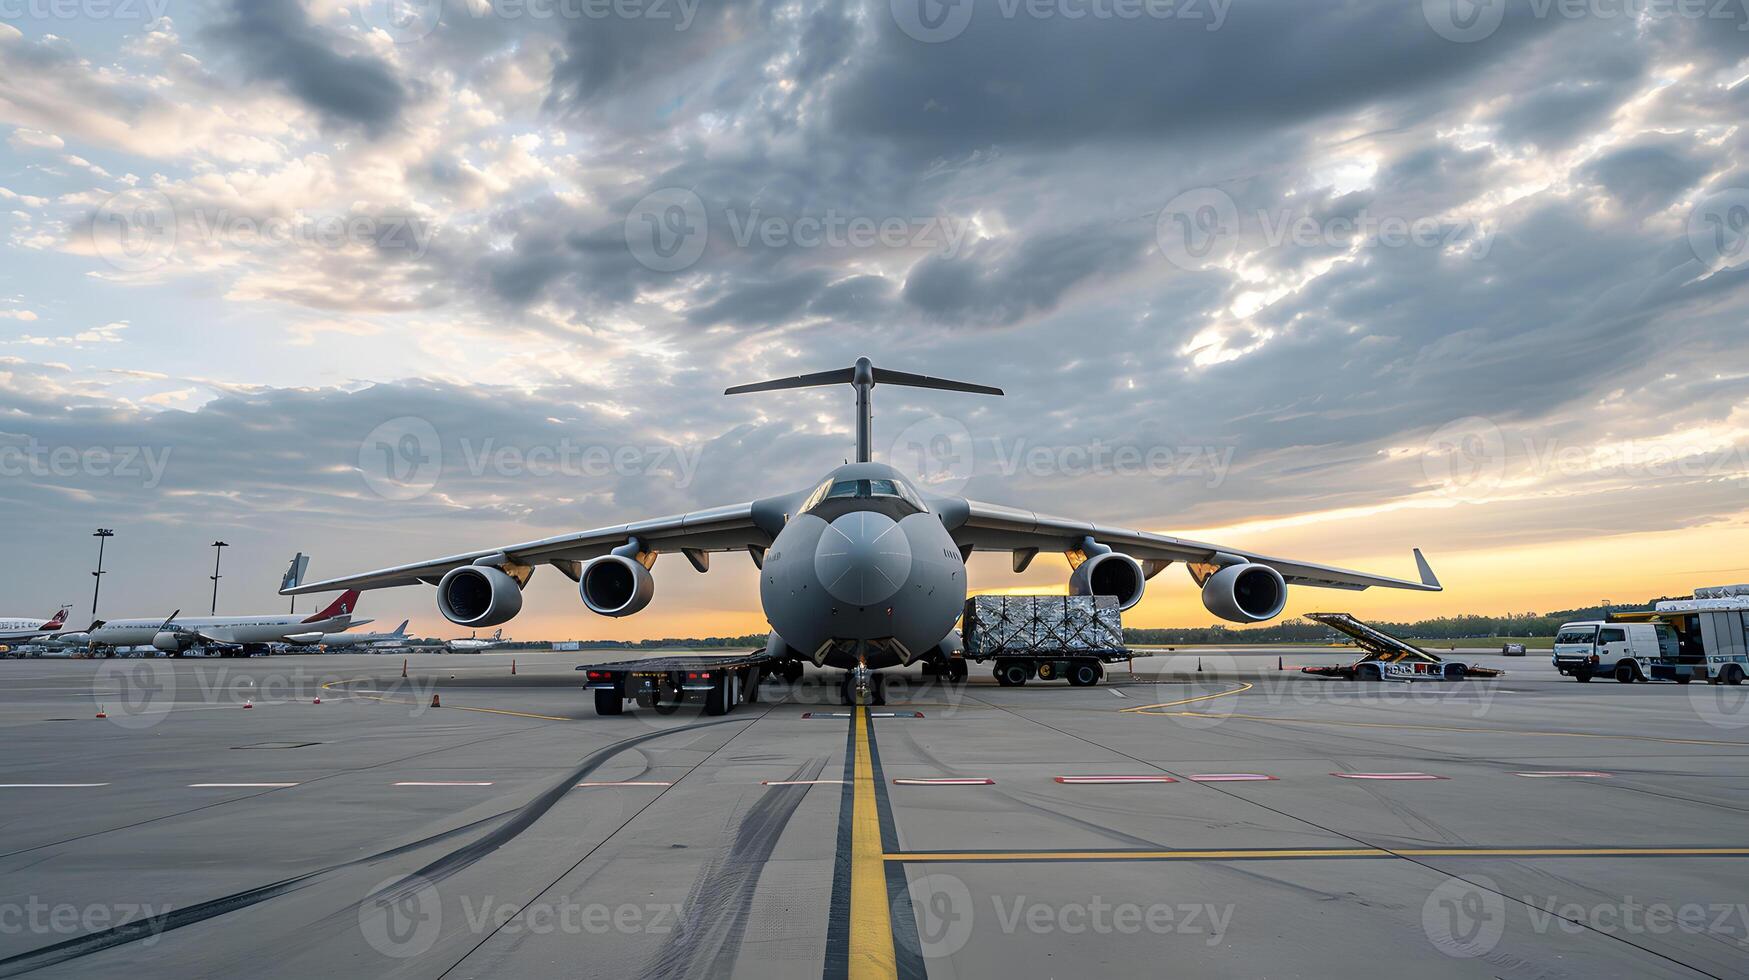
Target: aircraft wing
column 731, row 528
column 990, row 527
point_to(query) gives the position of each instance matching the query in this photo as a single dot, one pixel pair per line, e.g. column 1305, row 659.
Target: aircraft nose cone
column 863, row 558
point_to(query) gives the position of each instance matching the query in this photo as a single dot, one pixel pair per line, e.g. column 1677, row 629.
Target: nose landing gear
column 862, row 686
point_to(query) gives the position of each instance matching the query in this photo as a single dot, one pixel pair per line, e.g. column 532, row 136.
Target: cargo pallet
column 1069, row 638
column 1389, row 657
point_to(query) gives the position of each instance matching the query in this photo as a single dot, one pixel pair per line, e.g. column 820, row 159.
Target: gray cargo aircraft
column 861, row 571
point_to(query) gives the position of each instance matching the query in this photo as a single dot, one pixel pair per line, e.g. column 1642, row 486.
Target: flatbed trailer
column 1047, row 637
column 719, row 681
column 1389, row 657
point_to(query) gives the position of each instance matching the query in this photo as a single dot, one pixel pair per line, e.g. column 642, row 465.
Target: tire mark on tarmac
column 520, row 820
column 709, row 938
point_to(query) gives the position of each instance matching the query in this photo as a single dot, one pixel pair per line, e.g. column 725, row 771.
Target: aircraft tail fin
column 863, row 377
column 342, row 606
column 401, row 630
column 59, row 621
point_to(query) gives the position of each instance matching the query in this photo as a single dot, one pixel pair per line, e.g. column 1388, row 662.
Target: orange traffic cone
column 248, row 704
column 436, row 702
column 317, row 701
column 100, row 712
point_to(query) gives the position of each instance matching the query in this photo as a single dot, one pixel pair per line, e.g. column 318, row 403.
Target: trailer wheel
column 1732, row 674
column 1456, row 672
column 1012, row 674
column 717, row 700
column 1047, row 670
column 609, row 702
column 1083, row 675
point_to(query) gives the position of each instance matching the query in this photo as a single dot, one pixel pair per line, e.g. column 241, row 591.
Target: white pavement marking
column 801, row 782
column 1231, row 777
column 50, row 785
column 1102, row 780
column 944, row 782
column 1384, row 775
column 1563, row 775
column 240, row 785
column 442, row 783
column 1117, row 692
column 626, row 783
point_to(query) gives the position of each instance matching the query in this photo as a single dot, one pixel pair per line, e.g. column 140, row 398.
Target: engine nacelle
column 1245, row 593
column 478, row 596
column 168, row 641
column 614, row 585
column 1113, row 574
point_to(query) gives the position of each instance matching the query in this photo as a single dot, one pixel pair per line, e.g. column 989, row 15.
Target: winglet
column 1427, row 577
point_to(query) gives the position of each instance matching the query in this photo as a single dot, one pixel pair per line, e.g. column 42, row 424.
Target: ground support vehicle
column 1389, row 657
column 664, row 684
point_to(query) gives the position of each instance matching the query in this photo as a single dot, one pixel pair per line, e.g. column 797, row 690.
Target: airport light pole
column 218, row 553
column 103, row 534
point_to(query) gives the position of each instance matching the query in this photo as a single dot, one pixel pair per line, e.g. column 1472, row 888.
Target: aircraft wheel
column 609, row 703
column 1083, row 675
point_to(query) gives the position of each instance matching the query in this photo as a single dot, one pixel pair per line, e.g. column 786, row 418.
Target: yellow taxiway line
column 871, row 921
column 1316, row 852
column 1149, row 708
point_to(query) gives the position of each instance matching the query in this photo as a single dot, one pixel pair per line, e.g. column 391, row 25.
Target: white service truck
column 1716, row 625
column 1625, row 651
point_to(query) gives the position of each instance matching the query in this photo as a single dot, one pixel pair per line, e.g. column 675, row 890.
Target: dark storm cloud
column 1648, row 176
column 275, row 40
column 1000, row 282
column 1038, row 81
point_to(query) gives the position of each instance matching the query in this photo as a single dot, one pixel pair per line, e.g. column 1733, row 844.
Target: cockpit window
column 866, row 490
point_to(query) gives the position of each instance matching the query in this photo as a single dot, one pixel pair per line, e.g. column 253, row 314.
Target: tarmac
column 1207, row 815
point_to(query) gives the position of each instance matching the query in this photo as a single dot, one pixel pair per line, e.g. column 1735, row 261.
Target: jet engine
column 1112, row 573
column 1247, row 593
column 478, row 596
column 614, row 585
column 169, row 641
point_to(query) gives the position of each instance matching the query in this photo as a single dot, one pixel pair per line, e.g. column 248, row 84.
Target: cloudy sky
column 380, row 281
